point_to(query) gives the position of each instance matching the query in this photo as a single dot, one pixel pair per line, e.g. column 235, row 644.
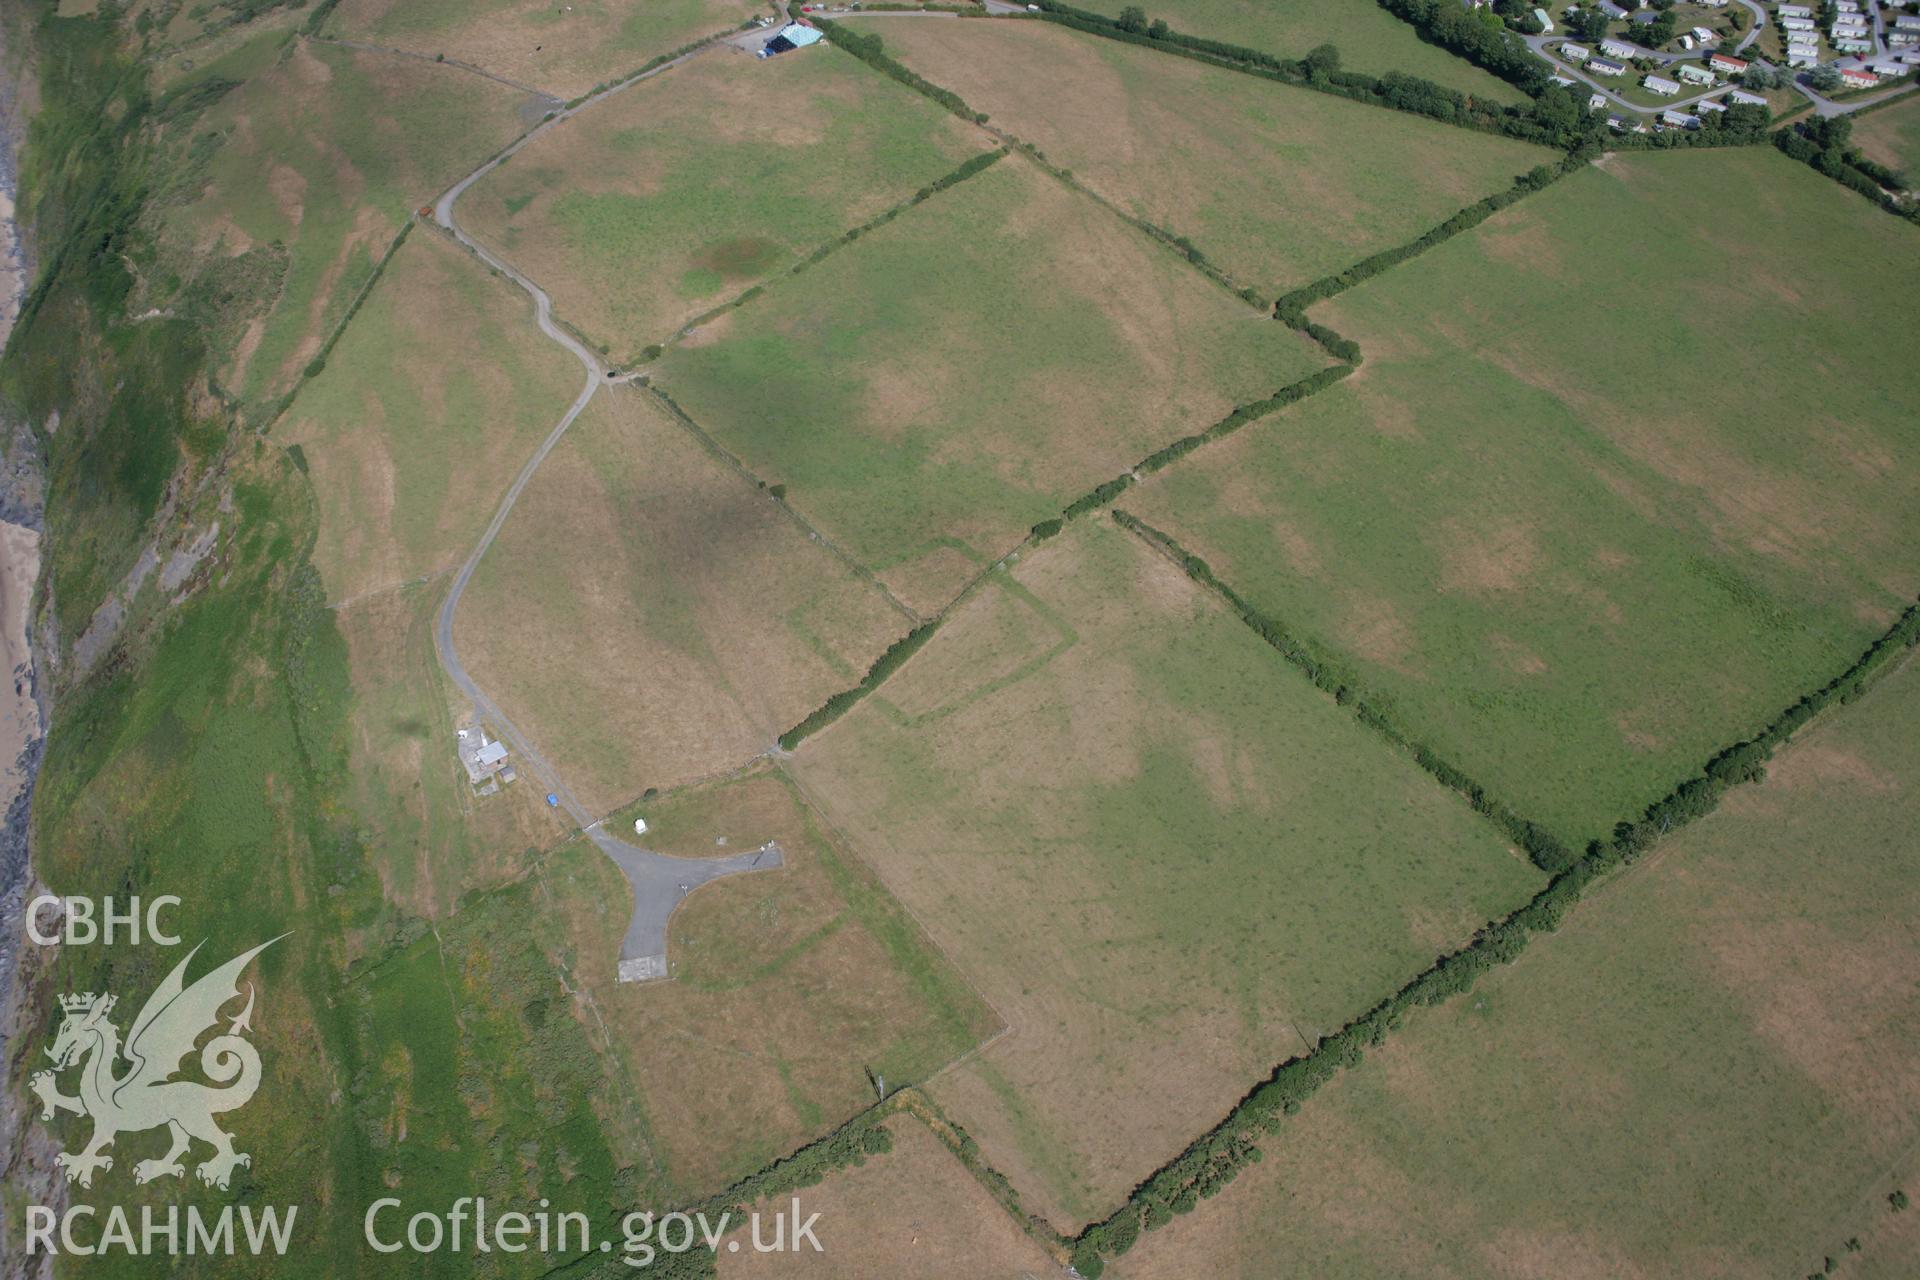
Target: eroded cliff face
column 26, row 1151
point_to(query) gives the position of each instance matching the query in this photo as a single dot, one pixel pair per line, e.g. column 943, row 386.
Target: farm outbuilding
column 795, row 35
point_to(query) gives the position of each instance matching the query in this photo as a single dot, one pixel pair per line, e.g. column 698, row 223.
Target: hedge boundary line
column 841, row 703
column 869, row 48
column 774, row 493
column 1099, row 496
column 848, row 1146
column 1291, row 307
column 1214, row 1159
column 1163, row 236
column 318, row 365
column 1547, row 851
column 971, row 167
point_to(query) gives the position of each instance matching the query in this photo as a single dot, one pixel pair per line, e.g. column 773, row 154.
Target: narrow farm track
column 658, row 882
column 434, row 59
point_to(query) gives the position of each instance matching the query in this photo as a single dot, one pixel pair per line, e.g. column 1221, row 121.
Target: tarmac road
column 659, row 883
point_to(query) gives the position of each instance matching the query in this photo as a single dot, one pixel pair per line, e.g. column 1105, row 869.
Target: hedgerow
column 1547, row 851
column 841, row 703
column 1215, row 1158
column 1291, row 308
column 867, row 47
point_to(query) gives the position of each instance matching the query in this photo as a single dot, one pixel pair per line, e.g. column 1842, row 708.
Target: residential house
column 1575, row 52
column 1727, row 63
column 1855, row 78
column 1695, row 74
column 1620, row 49
column 1679, row 119
column 1661, row 85
column 1602, row 67
column 1741, row 98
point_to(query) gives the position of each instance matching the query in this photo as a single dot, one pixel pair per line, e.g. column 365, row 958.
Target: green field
column 310, row 168
column 1584, row 518
column 930, row 392
column 1276, row 185
column 1710, row 1071
column 485, row 1076
column 684, row 190
column 1368, row 37
column 434, row 397
column 1134, row 829
column 430, row 840
column 561, row 49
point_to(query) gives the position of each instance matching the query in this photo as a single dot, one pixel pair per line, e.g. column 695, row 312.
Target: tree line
column 1825, row 142
column 1554, row 119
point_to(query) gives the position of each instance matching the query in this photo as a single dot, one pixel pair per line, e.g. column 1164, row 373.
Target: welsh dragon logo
column 146, row 1096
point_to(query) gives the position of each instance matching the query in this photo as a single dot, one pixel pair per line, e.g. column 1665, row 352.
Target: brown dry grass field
column 432, row 400
column 1277, row 185
column 648, row 617
column 326, row 152
column 1138, row 844
column 681, row 192
column 1712, row 1070
column 931, row 392
column 430, row 838
column 558, row 49
column 914, row 1213
column 789, row 986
